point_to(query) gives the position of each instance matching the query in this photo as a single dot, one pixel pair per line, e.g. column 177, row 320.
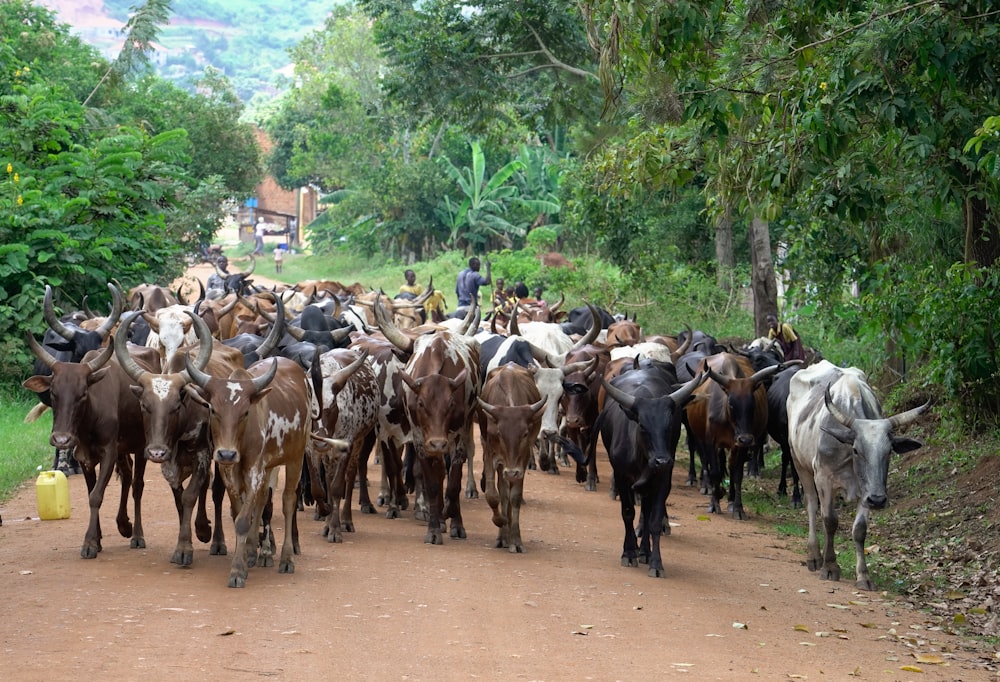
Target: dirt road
column 737, row 602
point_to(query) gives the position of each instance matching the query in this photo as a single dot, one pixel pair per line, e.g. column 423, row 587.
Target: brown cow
column 509, row 420
column 728, row 414
column 95, row 413
column 442, row 384
column 260, row 420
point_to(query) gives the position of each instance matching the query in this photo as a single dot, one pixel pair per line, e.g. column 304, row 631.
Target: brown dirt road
column 737, row 602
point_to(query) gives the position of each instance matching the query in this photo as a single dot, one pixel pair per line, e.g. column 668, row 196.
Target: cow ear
column 574, row 388
column 38, row 383
column 840, row 432
column 901, row 445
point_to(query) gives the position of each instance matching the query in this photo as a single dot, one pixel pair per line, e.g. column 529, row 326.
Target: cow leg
column 471, row 490
column 392, row 478
column 736, row 459
column 630, row 547
column 202, row 526
column 364, row 500
column 124, row 466
column 317, row 479
column 218, row 546
column 383, row 491
column 515, row 496
column 859, row 531
column 92, row 539
column 335, row 484
column 492, row 470
column 193, row 494
column 246, row 521
column 452, row 503
column 654, row 510
column 432, row 473
column 286, row 563
column 829, row 570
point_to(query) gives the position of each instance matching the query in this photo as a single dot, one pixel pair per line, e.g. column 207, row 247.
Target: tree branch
column 557, row 63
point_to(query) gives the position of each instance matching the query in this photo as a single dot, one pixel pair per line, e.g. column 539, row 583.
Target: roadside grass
column 24, row 447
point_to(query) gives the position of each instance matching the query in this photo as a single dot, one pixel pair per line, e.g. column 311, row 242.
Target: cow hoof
column 182, row 558
column 218, row 549
column 403, row 502
column 866, row 585
column 203, row 533
column 137, row 543
column 237, row 581
column 367, row 508
column 590, row 487
column 554, row 471
column 392, row 513
column 125, row 528
column 830, row 573
column 265, row 561
column 629, row 562
column 89, row 551
column 433, row 538
column 813, row 564
column 499, row 544
column 286, row 567
column 334, row 536
column 347, row 526
column 516, row 548
column 657, row 573
column 471, row 494
column 458, row 532
column 691, row 483
column 643, row 558
column 421, row 515
column 380, row 501
column 739, row 514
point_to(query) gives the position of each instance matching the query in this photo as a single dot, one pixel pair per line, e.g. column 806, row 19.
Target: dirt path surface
column 736, row 604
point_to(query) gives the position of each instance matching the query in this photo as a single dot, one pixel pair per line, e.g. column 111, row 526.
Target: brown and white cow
column 95, row 414
column 346, row 395
column 260, row 420
column 175, row 425
column 442, row 385
column 510, row 417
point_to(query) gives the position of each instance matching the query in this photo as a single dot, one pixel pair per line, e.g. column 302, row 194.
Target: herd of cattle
column 224, row 392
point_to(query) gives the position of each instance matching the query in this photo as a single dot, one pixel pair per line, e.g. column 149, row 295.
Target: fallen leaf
column 839, row 606
column 228, row 632
column 26, row 572
column 703, row 518
column 929, row 658
column 740, row 626
column 959, row 619
column 954, row 595
column 822, row 634
column 801, row 628
column 911, row 669
column 579, row 632
column 870, row 626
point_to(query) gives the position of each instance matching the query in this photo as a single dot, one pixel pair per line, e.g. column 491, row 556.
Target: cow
column 841, row 443
column 442, row 384
column 777, row 428
column 95, row 414
column 260, row 420
column 176, row 430
column 509, row 420
column 730, row 416
column 640, row 427
column 347, row 402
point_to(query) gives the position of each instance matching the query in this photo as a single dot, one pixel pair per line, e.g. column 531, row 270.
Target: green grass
column 24, row 447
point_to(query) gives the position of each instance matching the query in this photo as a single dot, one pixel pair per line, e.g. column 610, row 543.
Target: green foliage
column 947, row 321
column 25, row 446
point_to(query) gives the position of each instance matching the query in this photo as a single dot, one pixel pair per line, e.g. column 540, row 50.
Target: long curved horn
column 253, row 264
column 197, row 377
column 580, row 366
column 625, row 399
column 277, row 330
column 720, row 379
column 486, row 407
column 765, row 373
column 562, row 299
column 261, row 382
column 117, row 304
column 676, row 355
column 595, row 329
column 101, row 359
column 127, row 362
column 40, row 352
column 340, row 334
column 86, row 308
column 340, row 378
column 681, row 395
column 390, row 330
column 50, row 316
column 512, row 327
column 904, row 418
column 845, row 419
column 471, row 321
column 204, row 340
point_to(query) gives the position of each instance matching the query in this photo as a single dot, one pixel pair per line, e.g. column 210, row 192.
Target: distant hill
column 246, row 40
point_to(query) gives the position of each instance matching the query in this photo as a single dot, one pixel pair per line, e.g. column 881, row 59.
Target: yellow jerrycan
column 52, row 491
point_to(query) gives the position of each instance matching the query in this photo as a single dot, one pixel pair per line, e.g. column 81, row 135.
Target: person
column 279, row 255
column 788, row 338
column 411, row 287
column 259, row 231
column 499, row 299
column 538, row 294
column 216, row 284
column 468, row 282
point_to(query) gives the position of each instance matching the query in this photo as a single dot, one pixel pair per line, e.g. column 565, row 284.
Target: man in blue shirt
column 468, row 282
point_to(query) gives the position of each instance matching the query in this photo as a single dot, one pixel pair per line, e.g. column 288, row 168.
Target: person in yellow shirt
column 788, row 338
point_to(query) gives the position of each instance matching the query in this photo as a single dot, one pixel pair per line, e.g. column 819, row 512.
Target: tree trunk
column 982, row 240
column 762, row 282
column 724, row 258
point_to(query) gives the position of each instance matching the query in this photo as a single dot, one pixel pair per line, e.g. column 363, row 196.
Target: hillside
column 248, row 41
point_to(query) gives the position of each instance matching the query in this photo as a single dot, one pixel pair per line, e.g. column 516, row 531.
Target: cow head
column 514, row 429
column 437, row 405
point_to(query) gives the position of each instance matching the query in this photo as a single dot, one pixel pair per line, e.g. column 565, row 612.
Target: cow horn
column 625, row 399
column 117, row 304
column 486, row 407
column 274, row 335
column 101, row 359
column 542, row 357
column 40, row 352
column 720, row 379
column 86, row 308
column 340, row 378
column 682, row 394
column 391, row 331
column 676, row 355
column 50, row 316
column 471, row 321
column 297, row 333
column 845, row 419
column 595, row 329
column 562, row 299
column 904, row 418
column 128, row 364
column 340, row 334
column 253, row 264
column 197, row 376
column 204, row 340
column 226, row 309
column 580, row 366
column 261, row 382
column 512, row 327
column 763, row 374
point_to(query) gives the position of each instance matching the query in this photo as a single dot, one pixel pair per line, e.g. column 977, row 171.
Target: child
column 279, row 255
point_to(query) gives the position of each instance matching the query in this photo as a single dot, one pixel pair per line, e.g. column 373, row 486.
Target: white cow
column 841, row 443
